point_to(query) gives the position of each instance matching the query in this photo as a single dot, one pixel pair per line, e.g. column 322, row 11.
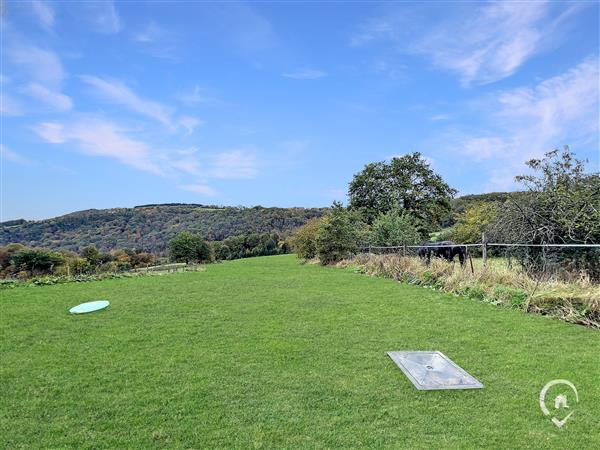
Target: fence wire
column 566, row 262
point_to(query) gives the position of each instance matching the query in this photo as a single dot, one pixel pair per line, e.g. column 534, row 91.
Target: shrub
column 473, row 221
column 395, row 228
column 37, row 261
column 304, row 240
column 188, row 247
column 220, row 251
column 339, row 234
column 91, row 254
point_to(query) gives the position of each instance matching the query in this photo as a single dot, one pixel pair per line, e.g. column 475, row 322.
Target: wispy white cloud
column 12, row 156
column 190, row 165
column 523, row 123
column 202, row 189
column 44, row 12
column 101, row 15
column 236, row 164
column 43, row 66
column 190, row 123
column 157, row 41
column 150, row 33
column 246, row 29
column 116, row 92
column 439, row 117
column 194, row 97
column 480, row 44
column 100, row 138
column 54, row 99
column 305, row 74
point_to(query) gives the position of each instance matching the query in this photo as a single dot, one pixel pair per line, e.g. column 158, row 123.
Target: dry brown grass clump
column 576, row 302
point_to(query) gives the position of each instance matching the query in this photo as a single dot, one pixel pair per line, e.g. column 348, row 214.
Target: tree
column 221, row 251
column 475, row 220
column 561, row 206
column 41, row 261
column 395, row 228
column 339, row 235
column 407, row 183
column 7, row 253
column 304, row 240
column 91, row 254
column 188, row 247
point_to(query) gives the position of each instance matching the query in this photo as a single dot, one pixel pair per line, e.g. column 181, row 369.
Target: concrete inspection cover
column 433, row 370
column 89, row 307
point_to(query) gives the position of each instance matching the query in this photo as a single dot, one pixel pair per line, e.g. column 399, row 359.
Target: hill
column 150, row 227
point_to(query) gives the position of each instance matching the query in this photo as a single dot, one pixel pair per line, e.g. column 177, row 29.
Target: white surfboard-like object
column 89, row 307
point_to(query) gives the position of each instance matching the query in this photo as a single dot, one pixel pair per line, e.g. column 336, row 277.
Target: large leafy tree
column 406, row 183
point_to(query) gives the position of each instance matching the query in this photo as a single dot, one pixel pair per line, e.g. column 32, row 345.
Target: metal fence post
column 484, row 249
column 404, row 249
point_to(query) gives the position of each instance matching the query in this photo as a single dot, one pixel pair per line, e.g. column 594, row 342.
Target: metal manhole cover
column 433, row 370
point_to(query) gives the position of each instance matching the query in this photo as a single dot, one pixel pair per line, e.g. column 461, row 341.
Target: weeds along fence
column 565, row 262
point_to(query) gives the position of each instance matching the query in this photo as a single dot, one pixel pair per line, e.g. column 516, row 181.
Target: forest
column 151, row 227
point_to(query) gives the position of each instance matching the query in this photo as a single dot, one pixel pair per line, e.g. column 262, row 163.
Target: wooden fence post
column 484, row 249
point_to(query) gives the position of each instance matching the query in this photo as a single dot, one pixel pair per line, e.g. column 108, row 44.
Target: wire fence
column 544, row 261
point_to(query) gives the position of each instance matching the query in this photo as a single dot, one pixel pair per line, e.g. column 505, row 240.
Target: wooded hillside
column 150, row 227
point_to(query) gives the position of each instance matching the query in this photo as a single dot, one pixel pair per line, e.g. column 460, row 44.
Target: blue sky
column 116, row 104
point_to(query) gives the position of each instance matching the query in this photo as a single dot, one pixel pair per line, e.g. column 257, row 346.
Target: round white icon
column 561, row 401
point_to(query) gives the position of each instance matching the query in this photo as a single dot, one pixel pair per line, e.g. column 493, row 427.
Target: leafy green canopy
column 340, row 234
column 561, row 206
column 304, row 241
column 474, row 221
column 395, row 228
column 188, row 247
column 249, row 245
column 407, row 183
column 36, row 260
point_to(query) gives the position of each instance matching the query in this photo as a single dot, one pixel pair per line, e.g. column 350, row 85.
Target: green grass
column 269, row 353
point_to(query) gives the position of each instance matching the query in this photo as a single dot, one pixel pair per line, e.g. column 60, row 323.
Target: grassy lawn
column 266, row 352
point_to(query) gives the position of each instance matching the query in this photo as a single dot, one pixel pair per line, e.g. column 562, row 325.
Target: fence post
column 404, row 250
column 484, row 249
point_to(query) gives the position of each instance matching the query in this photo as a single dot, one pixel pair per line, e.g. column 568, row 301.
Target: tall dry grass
column 576, row 302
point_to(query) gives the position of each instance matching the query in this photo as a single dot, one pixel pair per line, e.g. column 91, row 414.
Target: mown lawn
column 268, row 353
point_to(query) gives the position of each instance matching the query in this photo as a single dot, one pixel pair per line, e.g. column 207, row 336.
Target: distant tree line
column 19, row 261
